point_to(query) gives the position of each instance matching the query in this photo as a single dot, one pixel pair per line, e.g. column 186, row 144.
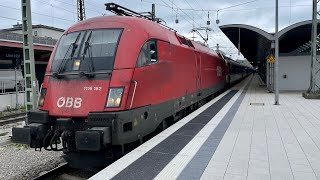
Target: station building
column 11, row 51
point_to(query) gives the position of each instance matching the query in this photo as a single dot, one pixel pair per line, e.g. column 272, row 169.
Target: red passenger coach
column 112, row 81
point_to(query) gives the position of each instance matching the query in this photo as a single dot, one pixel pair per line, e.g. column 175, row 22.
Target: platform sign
column 271, row 59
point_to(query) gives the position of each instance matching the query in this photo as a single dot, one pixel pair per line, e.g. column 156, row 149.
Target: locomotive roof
column 153, row 29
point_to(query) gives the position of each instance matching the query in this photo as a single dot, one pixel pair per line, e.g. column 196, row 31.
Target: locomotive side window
column 185, row 41
column 153, row 52
column 148, row 54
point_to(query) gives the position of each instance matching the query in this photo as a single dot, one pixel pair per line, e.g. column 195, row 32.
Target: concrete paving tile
column 259, row 167
column 234, row 177
column 278, row 161
column 304, row 176
column 207, row 176
column 239, row 162
column 296, row 155
column 281, row 176
column 216, row 171
column 317, row 173
column 280, row 168
column 238, row 170
column 217, row 163
column 315, row 166
column 302, row 161
column 259, row 163
column 301, row 168
column 257, row 176
column 262, row 157
column 261, row 152
column 259, row 170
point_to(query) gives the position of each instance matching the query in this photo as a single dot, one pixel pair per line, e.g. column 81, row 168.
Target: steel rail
column 12, row 120
column 55, row 172
column 11, row 116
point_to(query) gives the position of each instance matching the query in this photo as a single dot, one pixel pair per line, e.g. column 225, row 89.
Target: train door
column 198, row 70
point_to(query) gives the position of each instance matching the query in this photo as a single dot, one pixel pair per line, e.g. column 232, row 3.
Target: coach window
column 148, row 54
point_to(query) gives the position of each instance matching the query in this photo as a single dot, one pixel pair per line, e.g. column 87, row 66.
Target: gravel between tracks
column 21, row 162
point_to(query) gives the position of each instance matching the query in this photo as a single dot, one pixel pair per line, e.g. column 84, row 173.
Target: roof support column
column 28, row 56
column 314, row 89
column 239, row 43
column 276, row 65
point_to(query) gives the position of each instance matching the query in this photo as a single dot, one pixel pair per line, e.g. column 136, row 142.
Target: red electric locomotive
column 111, row 81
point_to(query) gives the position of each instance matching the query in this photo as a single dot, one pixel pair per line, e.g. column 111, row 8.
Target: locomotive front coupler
column 67, row 128
column 77, row 136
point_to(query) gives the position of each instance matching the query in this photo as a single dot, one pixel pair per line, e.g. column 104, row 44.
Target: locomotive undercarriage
column 61, row 134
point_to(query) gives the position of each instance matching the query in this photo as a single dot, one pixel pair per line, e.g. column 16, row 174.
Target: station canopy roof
column 255, row 43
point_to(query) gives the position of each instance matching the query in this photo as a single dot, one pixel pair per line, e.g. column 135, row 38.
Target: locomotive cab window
column 87, row 51
column 148, row 54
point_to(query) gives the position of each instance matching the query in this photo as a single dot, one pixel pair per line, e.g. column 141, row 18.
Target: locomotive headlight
column 118, row 101
column 76, row 64
column 114, row 97
column 42, row 96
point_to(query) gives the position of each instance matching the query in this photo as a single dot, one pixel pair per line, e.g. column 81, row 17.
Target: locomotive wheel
column 164, row 124
column 117, row 152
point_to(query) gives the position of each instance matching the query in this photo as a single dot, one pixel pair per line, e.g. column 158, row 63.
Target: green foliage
column 19, row 146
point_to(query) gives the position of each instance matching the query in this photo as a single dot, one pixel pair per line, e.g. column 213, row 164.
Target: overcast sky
column 259, row 13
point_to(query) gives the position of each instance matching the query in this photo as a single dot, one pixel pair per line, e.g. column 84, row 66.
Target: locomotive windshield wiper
column 64, row 60
column 87, row 47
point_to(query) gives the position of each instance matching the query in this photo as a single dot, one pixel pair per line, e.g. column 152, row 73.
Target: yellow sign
column 271, row 59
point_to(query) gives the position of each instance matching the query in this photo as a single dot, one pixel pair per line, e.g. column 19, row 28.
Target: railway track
column 54, row 173
column 65, row 172
column 12, row 118
column 12, row 115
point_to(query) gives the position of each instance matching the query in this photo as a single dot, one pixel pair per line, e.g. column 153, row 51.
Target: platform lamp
column 177, row 20
column 208, row 22
column 217, row 21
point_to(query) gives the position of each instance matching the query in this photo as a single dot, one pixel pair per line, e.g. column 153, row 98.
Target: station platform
column 240, row 134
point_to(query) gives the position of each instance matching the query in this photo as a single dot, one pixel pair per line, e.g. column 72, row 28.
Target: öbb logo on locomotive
column 69, row 102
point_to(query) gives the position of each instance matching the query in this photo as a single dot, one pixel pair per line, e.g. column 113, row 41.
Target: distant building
column 37, row 31
column 11, row 52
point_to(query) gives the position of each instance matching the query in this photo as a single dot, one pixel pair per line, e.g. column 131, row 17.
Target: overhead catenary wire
column 192, row 23
column 53, row 6
column 202, row 10
column 214, row 10
column 229, row 8
column 5, row 17
column 178, row 13
column 59, row 7
column 241, row 4
column 224, row 39
column 18, row 9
